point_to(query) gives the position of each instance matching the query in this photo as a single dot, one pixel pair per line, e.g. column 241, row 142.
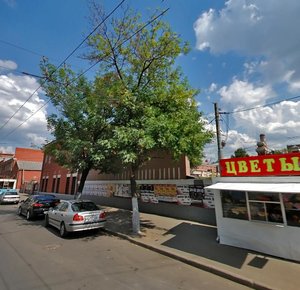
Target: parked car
column 37, row 205
column 75, row 215
column 9, row 196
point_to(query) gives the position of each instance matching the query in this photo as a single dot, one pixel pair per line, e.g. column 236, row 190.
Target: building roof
column 29, row 165
column 259, row 187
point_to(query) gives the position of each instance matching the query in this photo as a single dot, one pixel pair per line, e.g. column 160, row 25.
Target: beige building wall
column 160, row 167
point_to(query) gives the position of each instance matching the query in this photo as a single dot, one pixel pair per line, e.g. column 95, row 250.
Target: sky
column 245, row 56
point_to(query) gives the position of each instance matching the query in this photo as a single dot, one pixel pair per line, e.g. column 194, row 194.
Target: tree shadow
column 120, row 221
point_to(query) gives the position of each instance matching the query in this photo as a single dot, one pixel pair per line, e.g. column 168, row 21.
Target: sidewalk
column 195, row 244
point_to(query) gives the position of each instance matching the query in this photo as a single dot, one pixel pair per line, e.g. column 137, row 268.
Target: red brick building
column 25, row 166
column 58, row 179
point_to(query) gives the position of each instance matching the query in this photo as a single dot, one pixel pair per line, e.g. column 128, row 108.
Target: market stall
column 257, row 204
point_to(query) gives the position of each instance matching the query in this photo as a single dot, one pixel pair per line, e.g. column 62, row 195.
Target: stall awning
column 262, row 187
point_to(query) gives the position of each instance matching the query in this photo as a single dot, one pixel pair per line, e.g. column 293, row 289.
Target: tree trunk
column 135, row 205
column 83, row 177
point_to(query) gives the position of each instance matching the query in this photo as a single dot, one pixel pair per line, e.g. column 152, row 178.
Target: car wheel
column 28, row 215
column 46, row 221
column 62, row 230
column 19, row 210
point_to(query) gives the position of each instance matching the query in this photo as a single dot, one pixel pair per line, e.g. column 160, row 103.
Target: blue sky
column 244, row 54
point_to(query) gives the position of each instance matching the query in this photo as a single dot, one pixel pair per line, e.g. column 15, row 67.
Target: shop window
column 292, row 208
column 234, row 204
column 265, row 207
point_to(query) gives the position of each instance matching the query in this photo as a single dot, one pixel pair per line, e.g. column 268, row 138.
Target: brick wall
column 28, row 154
column 55, row 178
column 160, row 167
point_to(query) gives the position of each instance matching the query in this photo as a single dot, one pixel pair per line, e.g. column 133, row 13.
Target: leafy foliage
column 82, row 127
column 138, row 103
column 240, row 152
column 157, row 107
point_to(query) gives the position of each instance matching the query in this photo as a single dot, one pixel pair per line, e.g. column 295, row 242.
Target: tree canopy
column 156, row 106
column 82, row 125
column 138, row 102
column 240, row 152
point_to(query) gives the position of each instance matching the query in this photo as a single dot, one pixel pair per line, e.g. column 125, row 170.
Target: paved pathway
column 195, row 244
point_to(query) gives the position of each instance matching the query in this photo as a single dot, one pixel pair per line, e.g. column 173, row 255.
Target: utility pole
column 217, row 117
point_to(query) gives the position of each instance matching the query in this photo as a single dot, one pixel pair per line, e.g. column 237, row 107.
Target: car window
column 63, row 206
column 84, row 206
column 11, row 193
column 45, row 197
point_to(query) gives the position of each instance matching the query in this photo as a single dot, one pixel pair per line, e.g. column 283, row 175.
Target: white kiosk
column 257, row 204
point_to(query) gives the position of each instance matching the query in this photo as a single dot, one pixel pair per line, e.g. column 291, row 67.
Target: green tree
column 279, row 151
column 156, row 107
column 82, row 125
column 240, row 152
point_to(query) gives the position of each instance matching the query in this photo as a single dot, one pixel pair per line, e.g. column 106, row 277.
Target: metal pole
column 217, row 116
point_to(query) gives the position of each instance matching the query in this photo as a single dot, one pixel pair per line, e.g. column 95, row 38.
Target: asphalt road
column 33, row 257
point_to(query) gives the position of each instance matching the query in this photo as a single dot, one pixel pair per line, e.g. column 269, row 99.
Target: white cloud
column 243, row 94
column 234, row 140
column 237, row 140
column 15, row 92
column 293, row 84
column 265, row 29
column 280, row 123
column 212, row 88
column 7, row 64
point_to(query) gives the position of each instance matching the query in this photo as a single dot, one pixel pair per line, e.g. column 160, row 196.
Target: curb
column 208, row 268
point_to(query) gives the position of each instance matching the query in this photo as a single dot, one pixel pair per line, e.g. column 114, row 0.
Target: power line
column 261, row 106
column 20, row 47
column 16, row 128
column 148, row 23
column 70, row 54
column 139, row 30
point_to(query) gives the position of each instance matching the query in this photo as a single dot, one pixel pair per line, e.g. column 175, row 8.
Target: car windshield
column 84, row 206
column 11, row 193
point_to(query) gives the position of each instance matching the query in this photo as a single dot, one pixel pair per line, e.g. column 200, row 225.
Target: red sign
column 263, row 165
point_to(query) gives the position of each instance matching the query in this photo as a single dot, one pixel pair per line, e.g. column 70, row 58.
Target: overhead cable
column 261, row 106
column 70, row 54
column 127, row 39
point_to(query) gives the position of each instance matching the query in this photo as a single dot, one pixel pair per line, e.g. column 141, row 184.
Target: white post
column 135, row 216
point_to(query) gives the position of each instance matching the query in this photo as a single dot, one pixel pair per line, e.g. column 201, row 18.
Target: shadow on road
column 120, row 221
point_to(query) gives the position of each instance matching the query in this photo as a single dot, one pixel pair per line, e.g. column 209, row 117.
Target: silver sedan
column 9, row 196
column 75, row 215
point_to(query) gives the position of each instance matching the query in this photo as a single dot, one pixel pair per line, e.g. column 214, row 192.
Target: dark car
column 37, row 205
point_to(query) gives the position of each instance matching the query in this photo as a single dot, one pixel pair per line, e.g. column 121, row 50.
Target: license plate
column 91, row 218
